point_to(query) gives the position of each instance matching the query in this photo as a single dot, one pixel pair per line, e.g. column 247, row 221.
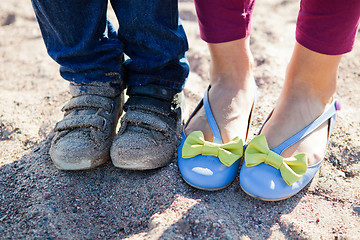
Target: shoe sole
column 136, row 168
column 207, row 189
column 139, row 167
column 264, row 199
column 83, row 165
column 279, row 199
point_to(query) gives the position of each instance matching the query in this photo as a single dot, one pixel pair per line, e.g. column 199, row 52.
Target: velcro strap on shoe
column 89, row 101
column 81, row 121
column 146, row 120
column 154, row 91
column 148, row 104
column 97, row 88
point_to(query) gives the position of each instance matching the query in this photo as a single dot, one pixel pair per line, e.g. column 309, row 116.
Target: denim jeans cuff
column 138, row 80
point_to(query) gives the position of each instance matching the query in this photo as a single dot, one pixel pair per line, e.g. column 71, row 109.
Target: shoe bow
column 227, row 153
column 291, row 169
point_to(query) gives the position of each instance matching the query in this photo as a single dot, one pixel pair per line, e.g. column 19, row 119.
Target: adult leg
column 325, row 31
column 156, row 43
column 225, row 25
column 79, row 38
column 309, row 85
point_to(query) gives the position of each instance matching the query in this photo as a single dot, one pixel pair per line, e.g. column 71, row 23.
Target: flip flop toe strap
column 329, row 114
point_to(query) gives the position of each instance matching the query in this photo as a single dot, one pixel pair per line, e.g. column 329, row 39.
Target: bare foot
column 231, row 107
column 309, row 84
column 291, row 115
column 232, row 92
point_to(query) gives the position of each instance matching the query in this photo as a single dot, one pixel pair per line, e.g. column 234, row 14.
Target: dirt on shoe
column 83, row 138
column 37, row 201
column 149, row 133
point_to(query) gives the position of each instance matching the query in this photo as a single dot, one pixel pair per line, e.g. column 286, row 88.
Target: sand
column 37, row 201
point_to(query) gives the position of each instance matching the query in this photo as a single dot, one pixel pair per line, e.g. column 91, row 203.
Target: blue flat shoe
column 209, row 165
column 267, row 176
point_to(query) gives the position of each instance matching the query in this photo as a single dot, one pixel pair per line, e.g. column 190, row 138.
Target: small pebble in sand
column 46, row 195
column 215, row 225
column 357, row 209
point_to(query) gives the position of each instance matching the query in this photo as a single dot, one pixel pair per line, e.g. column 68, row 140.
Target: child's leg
column 83, row 43
column 80, row 40
column 154, row 40
column 225, row 26
column 311, row 76
column 156, row 71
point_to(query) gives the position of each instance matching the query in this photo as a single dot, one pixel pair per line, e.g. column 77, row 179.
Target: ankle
column 228, row 91
column 231, row 63
column 308, row 91
column 303, row 108
column 233, row 77
column 313, row 75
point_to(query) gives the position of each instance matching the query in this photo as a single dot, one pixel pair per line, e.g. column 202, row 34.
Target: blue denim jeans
column 79, row 37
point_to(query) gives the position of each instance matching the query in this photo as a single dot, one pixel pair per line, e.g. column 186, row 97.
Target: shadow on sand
column 39, row 201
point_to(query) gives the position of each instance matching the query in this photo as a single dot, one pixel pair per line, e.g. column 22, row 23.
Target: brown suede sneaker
column 83, row 138
column 150, row 129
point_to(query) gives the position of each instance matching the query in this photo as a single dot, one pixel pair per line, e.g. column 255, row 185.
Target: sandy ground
column 39, row 202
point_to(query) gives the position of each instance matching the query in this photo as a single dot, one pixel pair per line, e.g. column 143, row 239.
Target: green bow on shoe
column 228, row 153
column 291, row 169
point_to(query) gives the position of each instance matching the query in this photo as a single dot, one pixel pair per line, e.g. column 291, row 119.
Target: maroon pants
column 323, row 26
